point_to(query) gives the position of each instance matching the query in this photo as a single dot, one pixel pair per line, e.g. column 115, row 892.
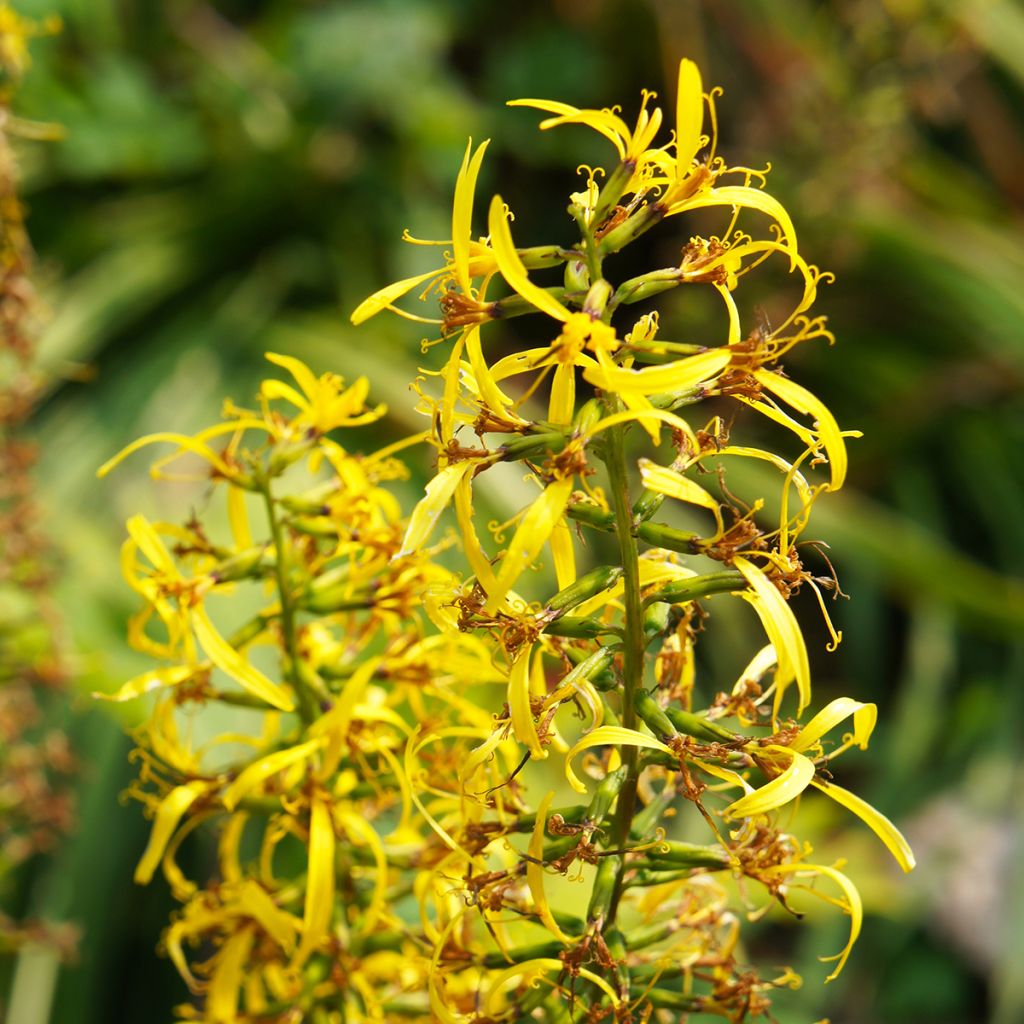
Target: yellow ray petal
column 563, row 555
column 255, row 902
column 531, row 535
column 259, row 771
column 478, row 560
column 386, row 296
column 462, row 213
column 361, row 828
column 226, row 983
column 652, row 380
column 875, row 820
column 689, row 116
column 530, row 968
column 318, row 912
column 852, row 905
column 491, row 395
column 169, row 812
column 535, row 871
column 663, row 480
column 183, row 441
column 303, row 375
column 155, row 679
column 783, row 788
column 864, row 718
column 511, row 266
column 804, row 402
column 606, row 735
column 238, row 519
column 429, row 508
column 519, row 704
column 745, row 196
column 229, row 661
column 782, row 629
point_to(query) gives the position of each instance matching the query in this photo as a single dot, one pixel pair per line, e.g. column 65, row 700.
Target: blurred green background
column 236, row 176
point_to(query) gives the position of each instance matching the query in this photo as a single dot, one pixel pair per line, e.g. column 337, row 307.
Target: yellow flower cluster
column 390, row 848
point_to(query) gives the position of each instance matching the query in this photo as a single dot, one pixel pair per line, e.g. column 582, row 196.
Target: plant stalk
column 633, row 641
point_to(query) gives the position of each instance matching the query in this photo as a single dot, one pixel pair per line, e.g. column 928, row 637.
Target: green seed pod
column 577, row 628
column 585, row 588
column 605, row 794
column 699, row 728
column 655, row 719
column 604, row 887
column 696, row 587
column 531, row 445
column 671, row 854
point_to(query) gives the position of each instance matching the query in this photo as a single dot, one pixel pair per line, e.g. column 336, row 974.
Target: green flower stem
column 634, row 642
column 307, row 700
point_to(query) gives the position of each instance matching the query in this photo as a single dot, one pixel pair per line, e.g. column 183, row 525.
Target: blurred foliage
column 235, row 177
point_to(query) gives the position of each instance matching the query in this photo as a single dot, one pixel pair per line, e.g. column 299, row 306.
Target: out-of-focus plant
column 35, row 757
column 386, row 839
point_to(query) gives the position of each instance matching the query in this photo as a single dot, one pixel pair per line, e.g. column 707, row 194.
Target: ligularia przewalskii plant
column 386, row 849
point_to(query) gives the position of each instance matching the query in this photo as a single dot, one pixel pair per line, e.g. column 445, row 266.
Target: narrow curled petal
column 535, row 871
column 229, row 661
column 511, row 266
column 155, row 679
column 362, row 829
column 493, row 398
column 689, row 115
column 745, row 196
column 429, row 508
column 259, row 771
column 319, row 906
column 258, row 904
column 864, row 718
column 875, row 820
column 168, row 814
column 541, row 965
column 783, row 788
column 183, row 441
column 531, row 535
column 678, row 376
column 386, row 296
column 804, row 402
column 782, row 628
column 605, row 736
column 852, row 905
column 226, row 983
column 462, row 212
column 663, row 480
column 563, row 555
column 519, row 704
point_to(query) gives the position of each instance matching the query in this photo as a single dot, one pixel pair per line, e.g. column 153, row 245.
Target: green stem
column 633, row 639
column 307, row 701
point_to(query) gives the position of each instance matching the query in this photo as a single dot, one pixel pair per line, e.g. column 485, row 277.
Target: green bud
column 647, row 505
column 577, row 277
column 246, row 565
column 605, row 879
column 657, row 617
column 587, row 417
